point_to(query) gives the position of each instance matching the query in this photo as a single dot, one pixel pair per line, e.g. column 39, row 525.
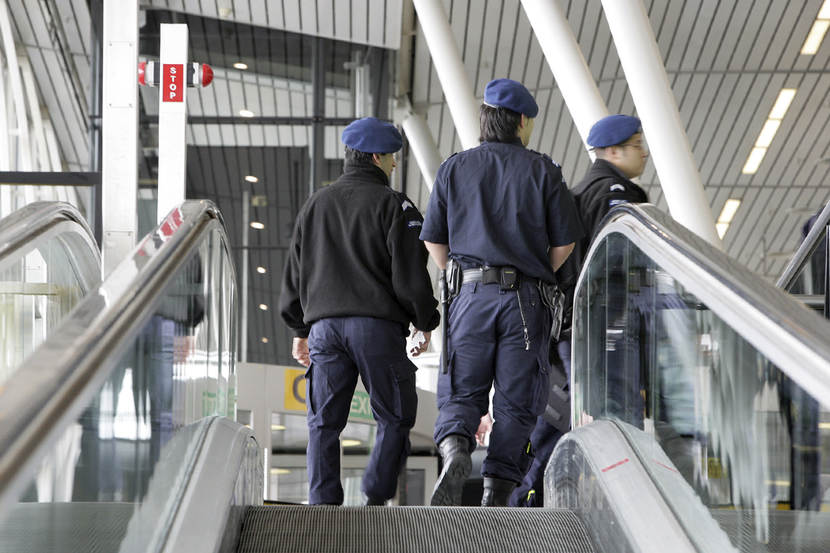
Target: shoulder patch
column 414, row 224
column 407, row 205
column 617, row 186
column 612, row 203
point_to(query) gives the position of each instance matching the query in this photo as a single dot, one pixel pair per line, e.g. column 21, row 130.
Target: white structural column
column 459, row 92
column 656, row 106
column 22, row 160
column 422, row 144
column 567, row 64
column 172, row 118
column 119, row 134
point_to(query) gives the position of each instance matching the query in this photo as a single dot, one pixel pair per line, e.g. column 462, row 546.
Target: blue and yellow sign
column 295, row 396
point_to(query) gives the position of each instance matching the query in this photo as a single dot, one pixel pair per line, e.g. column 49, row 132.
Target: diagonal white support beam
column 420, row 140
column 567, row 64
column 662, row 126
column 458, row 91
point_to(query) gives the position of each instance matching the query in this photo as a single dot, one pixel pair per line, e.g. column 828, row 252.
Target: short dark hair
column 356, row 156
column 498, row 124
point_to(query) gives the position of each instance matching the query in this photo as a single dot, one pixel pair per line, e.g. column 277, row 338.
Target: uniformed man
column 355, row 279
column 501, row 212
column 617, row 141
column 621, row 155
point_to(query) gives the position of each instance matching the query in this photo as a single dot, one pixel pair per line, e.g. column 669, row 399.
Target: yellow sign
column 295, row 390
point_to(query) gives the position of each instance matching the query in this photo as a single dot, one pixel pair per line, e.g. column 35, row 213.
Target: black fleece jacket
column 355, row 252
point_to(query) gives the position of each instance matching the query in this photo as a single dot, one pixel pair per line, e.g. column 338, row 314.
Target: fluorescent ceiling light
column 722, row 228
column 767, row 133
column 246, row 113
column 263, row 307
column 351, row 443
column 240, row 65
column 824, row 12
column 280, row 471
column 728, row 211
column 257, row 225
column 264, row 340
column 261, row 270
column 277, row 427
column 251, row 178
column 756, row 156
column 815, row 36
column 782, row 104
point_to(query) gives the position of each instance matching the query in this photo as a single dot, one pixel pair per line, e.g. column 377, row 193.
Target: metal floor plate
column 323, row 529
column 65, row 527
column 802, row 531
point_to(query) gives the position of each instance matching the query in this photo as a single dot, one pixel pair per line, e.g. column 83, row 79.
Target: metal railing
column 67, row 369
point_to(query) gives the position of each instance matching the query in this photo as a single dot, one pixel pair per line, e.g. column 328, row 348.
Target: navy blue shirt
column 501, row 204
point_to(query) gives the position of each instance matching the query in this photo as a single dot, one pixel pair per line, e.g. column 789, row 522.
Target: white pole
column 459, row 92
column 656, row 106
column 172, row 118
column 243, row 311
column 119, row 131
column 423, row 146
column 23, row 151
column 574, row 79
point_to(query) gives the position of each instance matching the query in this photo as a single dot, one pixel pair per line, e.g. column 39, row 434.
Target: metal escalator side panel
column 595, row 472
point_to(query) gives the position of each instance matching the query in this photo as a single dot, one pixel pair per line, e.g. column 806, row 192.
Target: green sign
column 361, row 408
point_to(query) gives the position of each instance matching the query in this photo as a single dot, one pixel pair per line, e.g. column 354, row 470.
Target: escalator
column 48, row 262
column 138, row 385
column 718, row 379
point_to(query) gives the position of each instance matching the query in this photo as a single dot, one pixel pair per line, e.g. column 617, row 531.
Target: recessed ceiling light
column 261, row 270
column 240, row 65
column 756, row 156
column 264, row 340
column 728, row 211
column 246, row 113
column 257, row 225
column 815, row 37
column 782, row 104
column 768, row 133
column 350, row 443
column 263, row 307
column 251, row 178
column 722, row 228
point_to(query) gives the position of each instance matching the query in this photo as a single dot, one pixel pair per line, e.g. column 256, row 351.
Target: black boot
column 373, row 501
column 455, row 452
column 496, row 492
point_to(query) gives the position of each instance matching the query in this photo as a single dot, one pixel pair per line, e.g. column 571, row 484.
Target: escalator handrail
column 64, row 373
column 805, row 250
column 23, row 225
column 776, row 324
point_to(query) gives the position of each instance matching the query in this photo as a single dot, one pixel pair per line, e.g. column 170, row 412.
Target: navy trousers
column 487, row 348
column 340, row 349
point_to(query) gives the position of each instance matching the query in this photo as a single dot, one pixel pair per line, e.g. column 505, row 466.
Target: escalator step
column 324, row 529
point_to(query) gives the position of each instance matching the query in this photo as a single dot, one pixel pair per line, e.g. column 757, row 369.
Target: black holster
column 449, row 284
column 554, row 299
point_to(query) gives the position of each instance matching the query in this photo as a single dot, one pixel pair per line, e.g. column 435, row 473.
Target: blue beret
column 507, row 93
column 372, row 136
column 612, row 130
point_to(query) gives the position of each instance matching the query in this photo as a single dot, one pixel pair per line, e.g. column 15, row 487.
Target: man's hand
column 484, row 428
column 299, row 350
column 418, row 342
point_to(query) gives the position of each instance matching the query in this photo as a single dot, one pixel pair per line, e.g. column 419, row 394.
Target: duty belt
column 489, row 275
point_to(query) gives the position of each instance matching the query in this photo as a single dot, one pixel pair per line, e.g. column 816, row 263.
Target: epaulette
column 547, row 157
